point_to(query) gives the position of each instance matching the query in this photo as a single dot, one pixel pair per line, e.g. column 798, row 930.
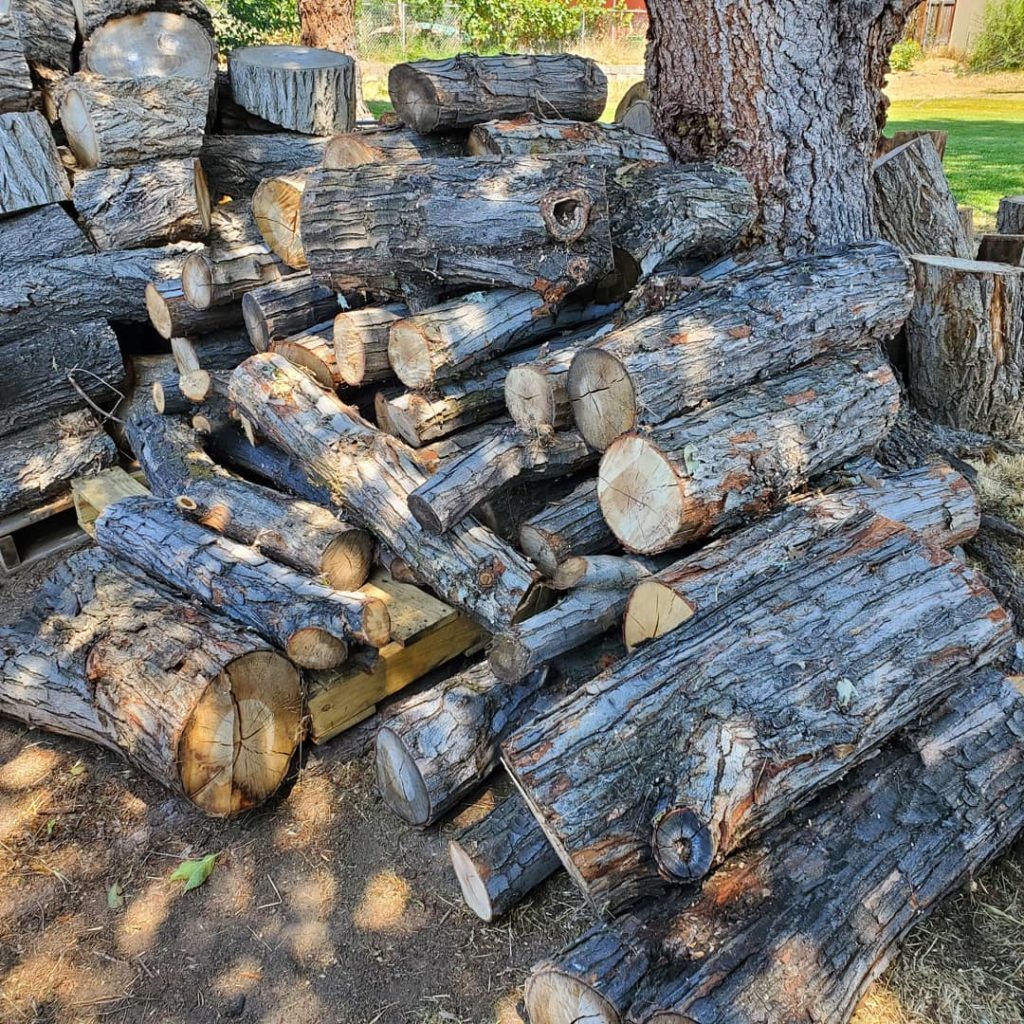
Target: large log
column 31, row 173
column 41, row 461
column 965, row 345
column 293, row 532
column 573, row 525
column 361, row 338
column 1010, row 216
column 311, row 621
column 43, row 233
column 294, row 303
column 205, row 707
column 389, row 144
column 744, row 454
column 533, row 136
column 298, row 87
column 275, row 207
column 149, row 204
column 435, row 746
column 16, row 93
column 722, row 727
column 417, row 225
column 157, row 44
column 236, row 164
column 313, row 350
column 173, row 316
column 934, row 501
column 759, row 322
column 781, row 932
column 371, row 476
column 46, row 29
column 446, row 340
column 887, row 143
column 58, row 371
column 92, row 14
column 117, row 122
column 444, row 95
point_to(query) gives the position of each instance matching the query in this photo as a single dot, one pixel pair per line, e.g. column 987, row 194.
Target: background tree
column 329, row 24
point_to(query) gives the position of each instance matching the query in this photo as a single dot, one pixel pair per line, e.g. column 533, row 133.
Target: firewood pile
column 749, row 693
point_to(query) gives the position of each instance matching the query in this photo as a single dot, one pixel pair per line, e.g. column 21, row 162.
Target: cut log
column 716, row 745
column 450, row 221
column 935, row 501
column 887, row 143
column 741, row 456
column 445, row 341
column 388, row 144
column 200, row 386
column 16, row 93
column 117, row 122
column 31, row 173
column 600, row 572
column 371, row 476
column 298, row 87
column 275, row 206
column 481, row 473
column 236, row 164
column 173, row 316
column 444, row 95
column 168, row 398
column 41, row 461
column 154, row 44
column 122, row 663
column 59, row 371
column 60, row 293
column 634, row 110
column 434, row 747
column 914, row 205
column 1010, row 217
column 759, row 322
column 46, row 29
column 965, row 345
column 572, row 526
column 44, row 233
column 148, row 204
column 311, row 621
column 501, row 858
column 905, row 829
column 223, row 350
column 278, row 310
column 1002, row 249
column 92, row 14
column 313, row 350
column 293, row 532
column 361, row 339
column 221, row 279
column 532, row 136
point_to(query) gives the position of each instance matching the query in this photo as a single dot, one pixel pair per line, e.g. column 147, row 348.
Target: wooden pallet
column 30, row 536
column 92, row 494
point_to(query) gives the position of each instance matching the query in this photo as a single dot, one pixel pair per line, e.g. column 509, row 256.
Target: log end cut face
column 78, row 127
column 602, row 396
column 315, row 648
column 409, row 351
column 238, row 744
column 400, row 781
column 473, row 886
column 346, row 561
column 653, row 610
column 197, row 278
column 554, row 997
column 151, row 44
column 529, row 397
column 416, row 97
column 683, row 845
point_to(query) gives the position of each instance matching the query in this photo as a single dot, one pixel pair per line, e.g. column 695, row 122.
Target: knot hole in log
column 566, row 215
column 683, row 845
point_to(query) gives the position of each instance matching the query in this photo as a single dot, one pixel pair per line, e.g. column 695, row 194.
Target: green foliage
column 905, row 55
column 510, row 25
column 253, row 22
column 1000, row 46
column 194, row 872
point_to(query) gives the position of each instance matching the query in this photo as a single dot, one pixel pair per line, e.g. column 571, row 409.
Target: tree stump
column 1010, row 217
column 1002, row 249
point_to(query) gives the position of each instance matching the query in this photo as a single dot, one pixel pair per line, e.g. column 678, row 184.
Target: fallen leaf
column 115, row 896
column 194, row 872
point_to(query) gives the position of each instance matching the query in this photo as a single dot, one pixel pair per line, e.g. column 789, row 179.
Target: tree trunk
column 31, row 173
column 209, row 280
column 451, row 222
column 16, row 94
column 41, row 461
column 314, row 351
column 329, row 24
column 387, row 144
column 444, row 95
column 123, row 663
column 173, row 316
column 965, row 344
column 434, row 747
column 145, row 205
column 714, row 468
column 361, row 343
column 1002, row 249
column 739, row 90
column 236, row 164
column 223, row 350
column 296, row 533
column 275, row 205
column 371, row 476
column 304, row 90
column 903, row 832
column 462, row 483
column 914, row 205
column 1010, row 217
column 296, row 303
column 112, row 122
column 40, row 234
column 501, row 858
column 92, row 14
column 533, row 136
column 311, row 621
column 47, row 31
column 445, row 341
column 722, row 728
column 58, row 371
column 153, row 44
column 758, row 323
column 572, row 526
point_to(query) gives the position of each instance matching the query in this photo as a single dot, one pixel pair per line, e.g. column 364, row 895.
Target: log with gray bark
column 115, row 659
column 531, row 136
column 715, row 745
column 275, row 208
column 43, row 233
column 741, row 456
column 31, row 173
column 758, row 322
column 145, row 205
column 168, row 398
column 1010, row 216
column 222, row 350
column 361, row 338
column 40, row 461
column 153, row 44
column 914, row 204
column 1001, row 249
column 298, row 87
column 444, row 95
column 173, row 316
column 311, row 621
column 312, row 349
column 221, row 278
column 570, row 526
column 634, row 110
column 449, row 223
column 389, row 144
column 903, row 831
column 16, row 92
column 292, row 304
column 887, row 143
column 294, row 532
column 117, row 122
column 601, row 572
column 236, row 164
column 370, row 476
column 965, row 345
column 46, row 29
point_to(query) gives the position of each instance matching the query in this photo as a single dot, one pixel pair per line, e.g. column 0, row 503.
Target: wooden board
column 92, row 494
column 34, row 534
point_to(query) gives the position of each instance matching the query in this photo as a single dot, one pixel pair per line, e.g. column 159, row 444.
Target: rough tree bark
column 31, row 173
column 571, row 526
column 15, row 81
column 388, row 144
column 47, row 31
column 329, row 24
column 285, row 307
column 43, row 233
column 361, row 338
column 236, row 164
column 532, row 136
